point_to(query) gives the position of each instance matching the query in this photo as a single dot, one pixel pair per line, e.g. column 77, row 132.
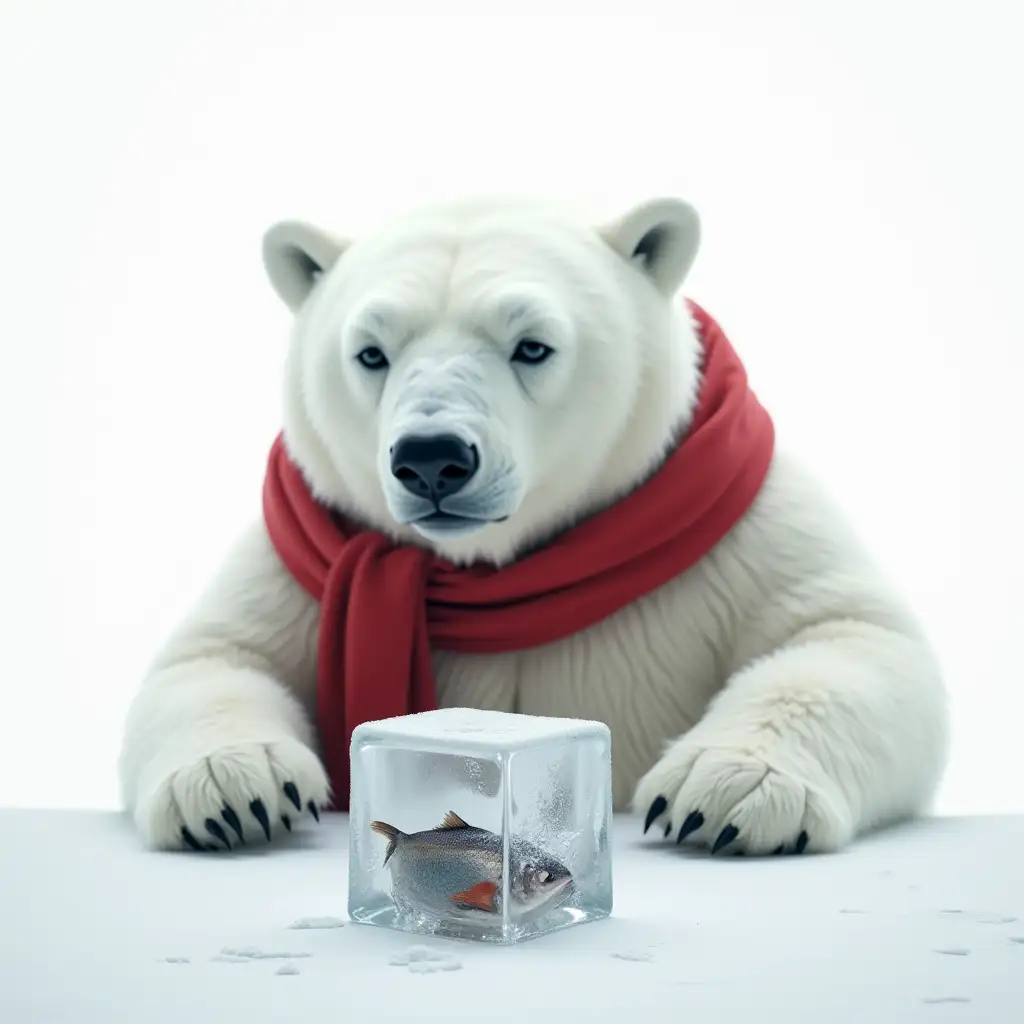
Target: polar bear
column 477, row 388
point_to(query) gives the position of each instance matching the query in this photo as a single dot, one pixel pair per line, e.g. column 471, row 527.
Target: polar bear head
column 476, row 377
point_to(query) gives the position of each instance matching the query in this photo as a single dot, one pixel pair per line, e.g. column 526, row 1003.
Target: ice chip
column 313, row 923
column 434, row 852
column 419, row 953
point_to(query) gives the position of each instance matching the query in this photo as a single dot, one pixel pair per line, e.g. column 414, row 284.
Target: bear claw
column 190, row 840
column 213, row 827
column 725, row 837
column 259, row 812
column 292, row 793
column 694, row 820
column 228, row 814
column 657, row 809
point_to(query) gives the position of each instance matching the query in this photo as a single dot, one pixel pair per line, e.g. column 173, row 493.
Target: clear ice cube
column 536, row 796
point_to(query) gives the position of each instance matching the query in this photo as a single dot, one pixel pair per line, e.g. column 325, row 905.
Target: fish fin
column 480, row 896
column 451, row 820
column 390, row 833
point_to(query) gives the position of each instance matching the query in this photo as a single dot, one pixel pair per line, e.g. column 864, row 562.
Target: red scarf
column 384, row 606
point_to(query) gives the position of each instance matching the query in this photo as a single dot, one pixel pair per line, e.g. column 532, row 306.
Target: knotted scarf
column 385, row 606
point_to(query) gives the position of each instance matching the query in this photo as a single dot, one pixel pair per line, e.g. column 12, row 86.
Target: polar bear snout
column 445, row 462
column 435, row 467
column 444, row 485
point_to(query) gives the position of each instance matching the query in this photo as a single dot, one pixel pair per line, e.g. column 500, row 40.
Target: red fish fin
column 480, row 896
column 390, row 833
column 451, row 820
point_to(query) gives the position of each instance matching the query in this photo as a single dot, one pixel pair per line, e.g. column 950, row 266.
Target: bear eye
column 532, row 352
column 373, row 358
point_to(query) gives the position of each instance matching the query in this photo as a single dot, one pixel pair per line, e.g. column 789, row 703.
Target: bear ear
column 296, row 255
column 661, row 237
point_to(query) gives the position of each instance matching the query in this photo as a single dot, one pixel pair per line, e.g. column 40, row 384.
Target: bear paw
column 238, row 794
column 746, row 798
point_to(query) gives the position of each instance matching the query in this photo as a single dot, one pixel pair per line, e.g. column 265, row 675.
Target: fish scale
column 425, row 878
column 456, row 869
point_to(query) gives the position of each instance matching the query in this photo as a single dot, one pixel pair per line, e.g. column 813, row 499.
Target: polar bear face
column 477, row 377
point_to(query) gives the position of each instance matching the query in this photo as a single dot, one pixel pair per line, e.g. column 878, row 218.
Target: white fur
column 779, row 686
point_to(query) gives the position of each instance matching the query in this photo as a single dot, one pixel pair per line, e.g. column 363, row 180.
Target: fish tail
column 390, row 833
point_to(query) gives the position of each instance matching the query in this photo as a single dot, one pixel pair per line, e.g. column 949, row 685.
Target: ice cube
column 474, row 805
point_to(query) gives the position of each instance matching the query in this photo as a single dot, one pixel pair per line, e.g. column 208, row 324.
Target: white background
column 859, row 171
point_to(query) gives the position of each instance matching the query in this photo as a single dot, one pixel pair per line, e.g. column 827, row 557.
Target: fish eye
column 544, row 877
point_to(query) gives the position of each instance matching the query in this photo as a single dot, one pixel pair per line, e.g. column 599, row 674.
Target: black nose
column 434, row 467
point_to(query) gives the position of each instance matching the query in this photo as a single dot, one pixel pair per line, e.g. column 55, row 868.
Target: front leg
column 218, row 746
column 840, row 730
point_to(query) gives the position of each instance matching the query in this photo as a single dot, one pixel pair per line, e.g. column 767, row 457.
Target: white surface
column 918, row 924
column 858, row 167
column 468, row 731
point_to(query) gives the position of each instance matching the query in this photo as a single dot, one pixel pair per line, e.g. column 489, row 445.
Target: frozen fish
column 456, row 868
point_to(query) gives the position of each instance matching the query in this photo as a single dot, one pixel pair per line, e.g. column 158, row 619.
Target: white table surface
column 922, row 923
